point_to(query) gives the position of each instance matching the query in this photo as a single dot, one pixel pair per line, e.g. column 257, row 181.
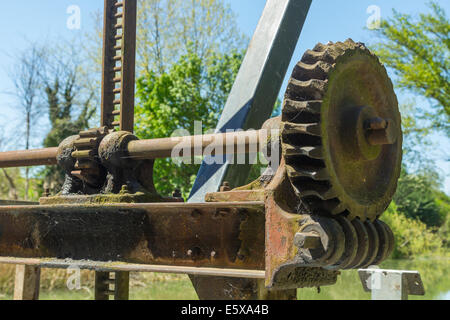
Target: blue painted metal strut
column 256, row 88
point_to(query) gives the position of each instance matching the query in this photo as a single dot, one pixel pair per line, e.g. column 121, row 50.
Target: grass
column 435, row 276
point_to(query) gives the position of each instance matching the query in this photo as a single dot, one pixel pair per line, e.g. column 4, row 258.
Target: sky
column 328, row 20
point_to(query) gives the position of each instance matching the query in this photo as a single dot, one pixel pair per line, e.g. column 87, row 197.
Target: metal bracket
column 391, row 284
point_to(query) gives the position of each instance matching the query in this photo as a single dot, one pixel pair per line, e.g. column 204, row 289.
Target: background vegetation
column 185, row 75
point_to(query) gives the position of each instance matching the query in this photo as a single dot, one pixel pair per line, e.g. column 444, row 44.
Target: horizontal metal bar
column 17, row 203
column 220, row 144
column 126, row 267
column 28, row 158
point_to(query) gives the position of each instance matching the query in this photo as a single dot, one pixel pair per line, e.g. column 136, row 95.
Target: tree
column 418, row 51
column 26, row 77
column 412, row 237
column 169, row 29
column 190, row 91
column 416, row 198
column 69, row 102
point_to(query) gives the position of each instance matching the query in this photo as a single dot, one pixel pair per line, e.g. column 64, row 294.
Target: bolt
column 46, row 193
column 177, row 193
column 381, row 131
column 225, row 187
column 124, row 189
column 195, row 253
column 242, row 253
column 196, row 214
column 308, row 240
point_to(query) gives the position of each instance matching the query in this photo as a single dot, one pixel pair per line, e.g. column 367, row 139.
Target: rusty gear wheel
column 341, row 132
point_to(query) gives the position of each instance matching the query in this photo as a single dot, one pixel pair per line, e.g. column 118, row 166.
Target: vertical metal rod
column 27, row 282
column 128, row 65
column 122, row 286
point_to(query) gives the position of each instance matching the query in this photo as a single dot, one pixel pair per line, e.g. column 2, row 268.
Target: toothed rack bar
column 119, row 55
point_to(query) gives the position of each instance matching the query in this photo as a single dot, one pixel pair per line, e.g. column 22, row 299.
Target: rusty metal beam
column 206, row 235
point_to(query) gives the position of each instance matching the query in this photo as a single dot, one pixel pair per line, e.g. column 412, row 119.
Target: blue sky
column 328, row 20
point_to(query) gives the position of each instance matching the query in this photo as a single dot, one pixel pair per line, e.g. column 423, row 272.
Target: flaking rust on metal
column 293, row 276
column 284, row 269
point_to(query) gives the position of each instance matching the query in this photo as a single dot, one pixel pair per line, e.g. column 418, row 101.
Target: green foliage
column 416, row 199
column 418, row 50
column 443, row 201
column 192, row 90
column 13, row 185
column 413, row 238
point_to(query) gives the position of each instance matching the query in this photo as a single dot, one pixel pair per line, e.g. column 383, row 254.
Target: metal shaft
column 28, row 158
column 214, row 144
column 217, row 144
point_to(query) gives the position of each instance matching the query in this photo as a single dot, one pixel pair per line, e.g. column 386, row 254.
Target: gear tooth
column 306, row 90
column 342, row 46
column 312, row 152
column 384, row 243
column 363, row 243
column 391, row 238
column 320, row 47
column 322, row 193
column 351, row 244
column 318, row 70
column 313, row 129
column 318, row 174
column 374, row 242
column 337, row 208
column 350, row 41
column 312, row 57
column 296, row 107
